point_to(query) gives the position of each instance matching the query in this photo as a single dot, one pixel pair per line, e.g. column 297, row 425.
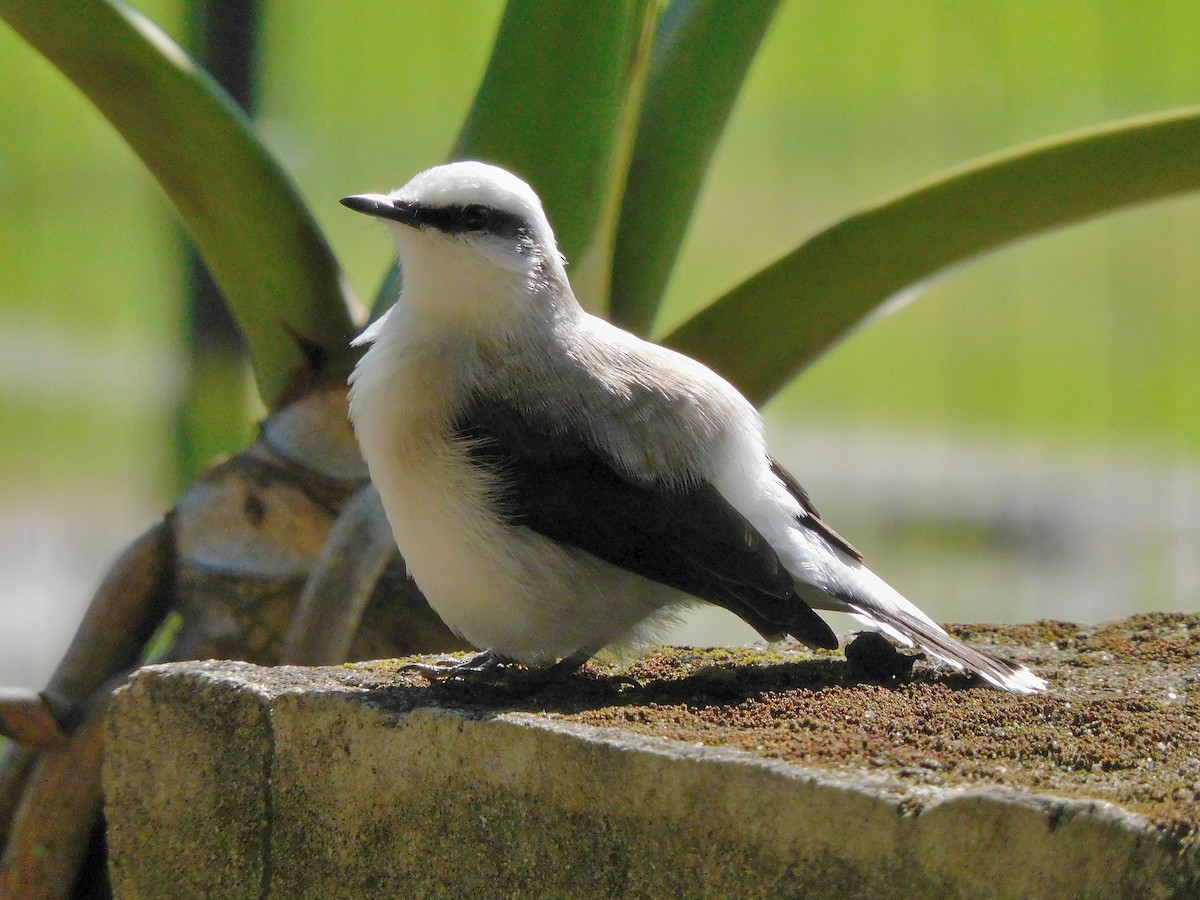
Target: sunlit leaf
column 763, row 332
column 240, row 208
column 702, row 53
column 554, row 107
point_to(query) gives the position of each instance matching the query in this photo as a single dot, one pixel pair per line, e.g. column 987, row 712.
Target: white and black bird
column 557, row 485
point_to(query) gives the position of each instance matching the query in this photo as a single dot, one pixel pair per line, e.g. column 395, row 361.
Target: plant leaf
column 552, row 106
column 701, row 56
column 265, row 250
column 763, row 332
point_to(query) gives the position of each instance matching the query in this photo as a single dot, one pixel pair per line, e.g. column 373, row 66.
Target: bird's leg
column 575, row 661
column 566, row 665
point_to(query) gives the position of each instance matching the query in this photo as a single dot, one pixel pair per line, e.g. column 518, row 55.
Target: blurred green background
column 1023, row 441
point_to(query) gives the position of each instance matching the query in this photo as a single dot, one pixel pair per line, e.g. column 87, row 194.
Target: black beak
column 384, row 207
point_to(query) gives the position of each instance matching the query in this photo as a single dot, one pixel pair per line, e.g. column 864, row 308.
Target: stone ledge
column 737, row 773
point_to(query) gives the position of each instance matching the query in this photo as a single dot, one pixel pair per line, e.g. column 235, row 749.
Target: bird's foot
column 486, row 663
column 493, row 669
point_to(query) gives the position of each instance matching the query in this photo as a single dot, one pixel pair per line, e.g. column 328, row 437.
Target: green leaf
column 702, row 53
column 240, row 208
column 554, row 107
column 763, row 332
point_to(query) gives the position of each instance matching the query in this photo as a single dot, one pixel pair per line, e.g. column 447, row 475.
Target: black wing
column 688, row 538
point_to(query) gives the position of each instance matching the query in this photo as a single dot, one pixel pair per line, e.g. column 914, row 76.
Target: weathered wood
column 331, row 606
column 27, row 719
column 129, row 604
column 53, row 824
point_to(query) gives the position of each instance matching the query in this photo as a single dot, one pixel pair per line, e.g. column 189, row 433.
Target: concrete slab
column 727, row 773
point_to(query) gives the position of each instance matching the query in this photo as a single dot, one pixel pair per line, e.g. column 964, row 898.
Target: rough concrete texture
column 742, row 773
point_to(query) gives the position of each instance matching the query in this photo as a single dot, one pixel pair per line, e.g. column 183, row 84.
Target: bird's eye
column 475, row 217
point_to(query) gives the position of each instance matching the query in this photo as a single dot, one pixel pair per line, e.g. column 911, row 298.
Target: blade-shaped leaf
column 256, row 235
column 702, row 53
column 553, row 106
column 763, row 332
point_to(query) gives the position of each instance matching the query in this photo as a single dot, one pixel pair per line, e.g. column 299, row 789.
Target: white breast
column 500, row 586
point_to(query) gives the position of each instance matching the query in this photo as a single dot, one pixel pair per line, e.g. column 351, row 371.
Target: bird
column 557, row 485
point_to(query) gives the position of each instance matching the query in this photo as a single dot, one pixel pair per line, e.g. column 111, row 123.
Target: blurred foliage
column 1088, row 333
column 258, row 239
column 700, row 60
column 789, row 313
column 572, row 144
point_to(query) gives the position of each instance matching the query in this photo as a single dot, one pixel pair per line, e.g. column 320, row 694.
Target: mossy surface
column 1120, row 722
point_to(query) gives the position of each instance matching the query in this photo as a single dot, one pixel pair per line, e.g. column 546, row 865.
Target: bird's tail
column 872, row 601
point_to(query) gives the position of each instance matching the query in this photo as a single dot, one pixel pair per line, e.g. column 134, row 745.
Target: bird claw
column 487, row 668
column 473, row 669
column 492, row 669
column 625, row 681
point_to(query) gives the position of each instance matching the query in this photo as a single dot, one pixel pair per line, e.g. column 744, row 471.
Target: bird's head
column 467, row 224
